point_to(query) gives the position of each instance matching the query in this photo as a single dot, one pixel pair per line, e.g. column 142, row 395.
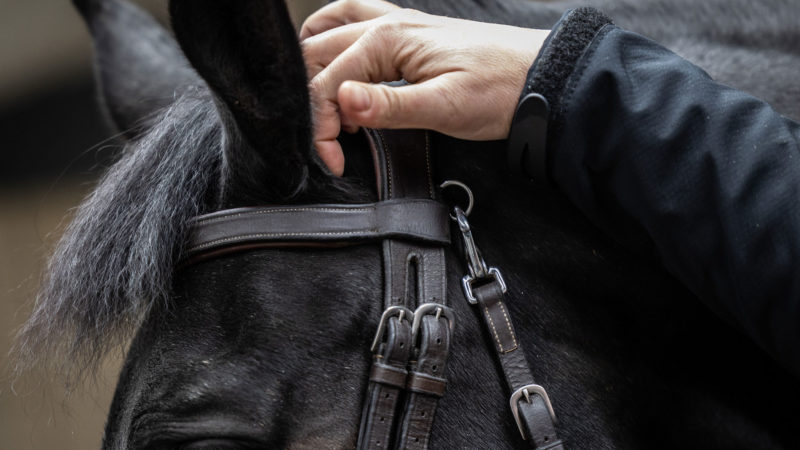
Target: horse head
column 218, row 119
column 271, row 347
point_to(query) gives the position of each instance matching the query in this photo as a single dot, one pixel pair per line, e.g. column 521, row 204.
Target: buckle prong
column 526, row 391
column 401, row 312
column 426, row 309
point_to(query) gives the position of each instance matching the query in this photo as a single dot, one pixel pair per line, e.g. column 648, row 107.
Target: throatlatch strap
column 403, row 172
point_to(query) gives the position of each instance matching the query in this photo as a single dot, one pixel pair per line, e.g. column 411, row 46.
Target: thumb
column 380, row 106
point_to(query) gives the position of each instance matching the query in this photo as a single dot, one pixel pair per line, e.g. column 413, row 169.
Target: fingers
column 330, row 152
column 327, row 126
column 344, row 12
column 321, row 49
column 424, row 105
column 360, row 62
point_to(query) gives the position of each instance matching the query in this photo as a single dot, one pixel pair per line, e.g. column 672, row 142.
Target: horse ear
column 248, row 53
column 139, row 66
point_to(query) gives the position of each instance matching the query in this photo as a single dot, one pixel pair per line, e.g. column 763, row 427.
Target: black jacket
column 664, row 159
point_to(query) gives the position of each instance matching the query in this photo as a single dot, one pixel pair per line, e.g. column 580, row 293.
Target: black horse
column 270, row 348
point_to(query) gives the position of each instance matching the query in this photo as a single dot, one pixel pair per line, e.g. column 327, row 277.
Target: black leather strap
column 414, row 275
column 408, row 219
column 535, row 416
column 426, row 382
column 386, row 385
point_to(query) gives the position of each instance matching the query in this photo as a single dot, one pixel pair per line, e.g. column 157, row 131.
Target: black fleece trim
column 557, row 60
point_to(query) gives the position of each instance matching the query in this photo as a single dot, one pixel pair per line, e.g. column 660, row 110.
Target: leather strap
column 426, row 383
column 408, row 219
column 534, row 414
column 386, row 384
column 414, row 275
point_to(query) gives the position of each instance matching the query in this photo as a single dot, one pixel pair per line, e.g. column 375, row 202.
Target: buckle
column 427, row 309
column 526, row 391
column 401, row 312
column 492, row 273
column 478, row 270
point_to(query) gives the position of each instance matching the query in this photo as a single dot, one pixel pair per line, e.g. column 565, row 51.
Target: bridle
column 413, row 338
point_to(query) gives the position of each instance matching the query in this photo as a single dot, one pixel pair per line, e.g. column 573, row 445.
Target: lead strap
column 485, row 288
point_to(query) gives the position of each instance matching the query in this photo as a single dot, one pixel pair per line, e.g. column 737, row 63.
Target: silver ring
column 463, row 186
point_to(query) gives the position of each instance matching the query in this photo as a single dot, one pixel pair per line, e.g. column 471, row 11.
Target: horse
column 269, row 348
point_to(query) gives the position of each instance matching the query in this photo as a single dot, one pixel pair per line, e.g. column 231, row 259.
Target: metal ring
column 466, row 189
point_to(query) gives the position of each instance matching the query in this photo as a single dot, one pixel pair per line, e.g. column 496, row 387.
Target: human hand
column 465, row 76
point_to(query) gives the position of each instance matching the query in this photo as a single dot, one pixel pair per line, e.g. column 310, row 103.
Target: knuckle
column 351, row 5
column 316, row 85
column 408, row 13
column 385, row 27
column 307, row 47
column 406, row 16
column 305, row 29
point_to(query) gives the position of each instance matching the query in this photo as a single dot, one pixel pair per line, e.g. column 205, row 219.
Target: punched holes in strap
column 432, row 330
column 392, row 350
column 422, row 383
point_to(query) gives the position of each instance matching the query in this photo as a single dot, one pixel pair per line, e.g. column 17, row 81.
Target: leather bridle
column 413, row 338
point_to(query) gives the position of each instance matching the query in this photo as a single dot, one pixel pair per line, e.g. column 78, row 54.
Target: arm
column 708, row 178
column 651, row 149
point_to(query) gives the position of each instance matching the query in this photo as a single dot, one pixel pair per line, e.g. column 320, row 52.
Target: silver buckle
column 401, row 312
column 426, row 309
column 475, row 263
column 526, row 391
column 493, row 273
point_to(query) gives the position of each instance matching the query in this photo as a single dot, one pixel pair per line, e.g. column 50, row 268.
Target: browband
column 418, row 220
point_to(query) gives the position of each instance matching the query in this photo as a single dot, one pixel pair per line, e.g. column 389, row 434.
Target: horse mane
column 116, row 260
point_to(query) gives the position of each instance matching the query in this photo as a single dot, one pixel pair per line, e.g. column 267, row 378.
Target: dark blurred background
column 53, row 146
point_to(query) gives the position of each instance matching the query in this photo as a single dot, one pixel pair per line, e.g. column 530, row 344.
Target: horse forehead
column 245, row 333
column 286, row 290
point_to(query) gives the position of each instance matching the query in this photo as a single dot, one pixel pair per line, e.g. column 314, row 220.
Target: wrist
column 538, row 118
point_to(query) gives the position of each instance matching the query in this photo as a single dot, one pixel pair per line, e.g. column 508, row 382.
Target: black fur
column 269, row 349
column 132, row 92
column 248, row 54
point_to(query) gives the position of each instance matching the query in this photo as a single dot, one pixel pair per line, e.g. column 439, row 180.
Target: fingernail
column 360, row 98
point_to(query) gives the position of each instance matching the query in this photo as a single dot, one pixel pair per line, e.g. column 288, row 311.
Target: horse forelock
column 116, row 259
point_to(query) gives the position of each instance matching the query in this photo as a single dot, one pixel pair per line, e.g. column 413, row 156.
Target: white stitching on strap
column 279, row 210
column 510, row 328
column 277, row 235
column 494, row 330
column 428, row 162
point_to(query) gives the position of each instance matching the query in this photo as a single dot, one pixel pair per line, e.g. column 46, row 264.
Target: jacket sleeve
column 662, row 158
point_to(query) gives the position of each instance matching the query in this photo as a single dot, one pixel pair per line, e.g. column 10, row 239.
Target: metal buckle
column 401, row 311
column 526, row 391
column 426, row 309
column 475, row 263
column 493, row 273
